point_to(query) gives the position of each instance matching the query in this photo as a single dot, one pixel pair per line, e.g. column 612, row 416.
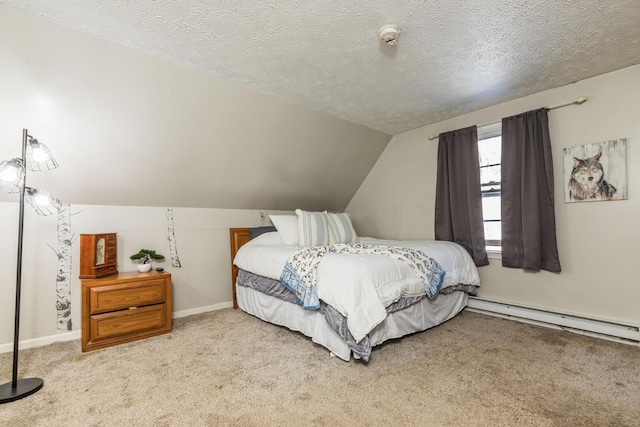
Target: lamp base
column 24, row 388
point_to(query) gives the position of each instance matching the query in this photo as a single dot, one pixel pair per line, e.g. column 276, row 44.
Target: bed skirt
column 420, row 316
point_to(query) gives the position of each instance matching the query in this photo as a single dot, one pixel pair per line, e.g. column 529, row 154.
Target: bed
column 364, row 298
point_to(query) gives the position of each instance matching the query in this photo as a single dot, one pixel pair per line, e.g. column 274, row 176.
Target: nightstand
column 125, row 307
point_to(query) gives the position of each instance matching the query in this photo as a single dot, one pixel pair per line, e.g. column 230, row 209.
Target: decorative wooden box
column 98, row 255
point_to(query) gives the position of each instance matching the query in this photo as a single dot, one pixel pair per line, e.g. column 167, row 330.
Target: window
column 489, row 152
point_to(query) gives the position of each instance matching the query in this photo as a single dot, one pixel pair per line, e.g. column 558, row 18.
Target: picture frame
column 596, row 172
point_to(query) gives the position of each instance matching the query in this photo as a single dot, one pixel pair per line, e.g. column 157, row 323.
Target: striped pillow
column 340, row 229
column 312, row 228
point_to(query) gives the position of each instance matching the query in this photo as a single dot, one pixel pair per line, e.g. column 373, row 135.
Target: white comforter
column 361, row 286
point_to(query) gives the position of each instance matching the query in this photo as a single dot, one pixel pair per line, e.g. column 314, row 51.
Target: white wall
column 597, row 241
column 202, row 236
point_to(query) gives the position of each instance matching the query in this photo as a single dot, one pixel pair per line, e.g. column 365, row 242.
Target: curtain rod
column 579, row 100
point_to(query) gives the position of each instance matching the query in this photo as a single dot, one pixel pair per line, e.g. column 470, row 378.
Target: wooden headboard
column 239, row 236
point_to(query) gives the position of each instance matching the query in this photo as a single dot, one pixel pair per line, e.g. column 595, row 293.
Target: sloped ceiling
column 271, row 104
column 130, row 129
column 453, row 56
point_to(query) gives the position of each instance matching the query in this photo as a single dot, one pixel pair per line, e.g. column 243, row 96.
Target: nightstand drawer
column 126, row 322
column 119, row 296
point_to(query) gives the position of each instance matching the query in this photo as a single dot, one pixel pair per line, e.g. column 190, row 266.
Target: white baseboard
column 628, row 334
column 198, row 310
column 39, row 342
column 76, row 335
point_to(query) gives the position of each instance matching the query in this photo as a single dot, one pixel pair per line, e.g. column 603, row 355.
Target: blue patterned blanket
column 299, row 273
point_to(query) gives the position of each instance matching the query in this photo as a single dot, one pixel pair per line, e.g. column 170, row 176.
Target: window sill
column 494, row 255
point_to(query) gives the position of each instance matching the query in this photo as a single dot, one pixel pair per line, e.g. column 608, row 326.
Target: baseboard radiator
column 627, row 334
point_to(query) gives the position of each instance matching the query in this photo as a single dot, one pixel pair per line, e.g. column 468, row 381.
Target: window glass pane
column 491, row 206
column 489, row 174
column 493, row 231
column 489, row 150
column 489, row 153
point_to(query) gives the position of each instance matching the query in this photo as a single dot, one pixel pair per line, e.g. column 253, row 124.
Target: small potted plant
column 144, row 257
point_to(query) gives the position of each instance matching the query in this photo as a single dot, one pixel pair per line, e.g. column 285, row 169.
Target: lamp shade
column 42, row 201
column 11, row 175
column 39, row 157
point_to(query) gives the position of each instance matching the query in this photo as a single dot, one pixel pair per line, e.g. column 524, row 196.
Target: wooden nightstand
column 125, row 307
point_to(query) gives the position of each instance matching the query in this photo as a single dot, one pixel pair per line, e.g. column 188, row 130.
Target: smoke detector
column 389, row 34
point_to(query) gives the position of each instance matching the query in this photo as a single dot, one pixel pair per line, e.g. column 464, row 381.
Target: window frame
column 485, row 132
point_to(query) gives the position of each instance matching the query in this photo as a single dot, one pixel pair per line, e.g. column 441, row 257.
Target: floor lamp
column 13, row 174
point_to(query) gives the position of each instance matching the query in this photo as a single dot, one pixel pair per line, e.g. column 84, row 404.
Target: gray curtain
column 528, row 218
column 458, row 215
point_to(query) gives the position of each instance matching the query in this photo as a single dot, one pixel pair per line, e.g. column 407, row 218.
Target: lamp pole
column 17, row 389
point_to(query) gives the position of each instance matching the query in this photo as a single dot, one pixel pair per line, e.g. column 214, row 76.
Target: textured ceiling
column 452, row 57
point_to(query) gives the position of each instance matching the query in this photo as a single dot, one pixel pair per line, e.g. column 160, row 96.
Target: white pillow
column 312, row 228
column 340, row 229
column 287, row 226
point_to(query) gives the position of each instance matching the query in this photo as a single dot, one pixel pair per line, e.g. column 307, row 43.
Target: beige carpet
column 228, row 368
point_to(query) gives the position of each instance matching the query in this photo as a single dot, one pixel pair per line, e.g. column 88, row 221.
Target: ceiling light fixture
column 388, row 34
